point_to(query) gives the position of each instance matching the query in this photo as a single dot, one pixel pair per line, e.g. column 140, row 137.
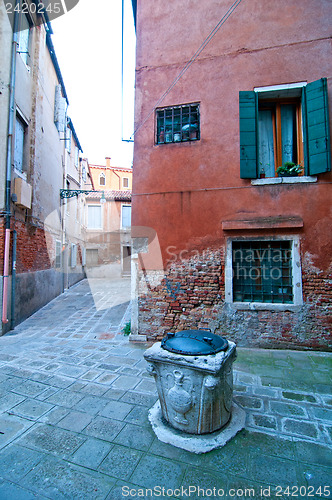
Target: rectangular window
column 282, row 126
column 262, row 272
column 73, row 255
column 280, row 134
column 19, row 143
column 94, row 217
column 178, row 124
column 58, row 247
column 125, row 182
column 24, row 37
column 68, row 139
column 83, row 252
column 77, row 155
column 126, row 216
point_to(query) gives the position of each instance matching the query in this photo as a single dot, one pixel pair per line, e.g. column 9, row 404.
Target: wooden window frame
column 277, row 135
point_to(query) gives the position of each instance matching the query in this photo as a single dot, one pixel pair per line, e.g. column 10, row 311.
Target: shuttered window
column 126, row 216
column 19, row 144
column 273, row 132
column 58, row 247
column 94, row 217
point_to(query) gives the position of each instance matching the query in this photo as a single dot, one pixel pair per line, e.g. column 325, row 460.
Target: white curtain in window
column 266, row 144
column 287, row 132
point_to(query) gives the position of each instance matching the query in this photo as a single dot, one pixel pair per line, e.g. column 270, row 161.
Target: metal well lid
column 194, row 343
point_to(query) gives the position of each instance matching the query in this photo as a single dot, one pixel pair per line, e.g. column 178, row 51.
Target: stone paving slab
column 74, row 402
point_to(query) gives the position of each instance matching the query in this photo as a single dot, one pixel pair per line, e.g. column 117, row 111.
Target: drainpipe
column 12, row 315
column 9, row 164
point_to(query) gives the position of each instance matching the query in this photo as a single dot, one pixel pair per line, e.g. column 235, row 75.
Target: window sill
column 259, row 306
column 284, row 180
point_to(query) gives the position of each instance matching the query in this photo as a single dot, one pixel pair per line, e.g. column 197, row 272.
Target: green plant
column 289, row 168
column 127, row 328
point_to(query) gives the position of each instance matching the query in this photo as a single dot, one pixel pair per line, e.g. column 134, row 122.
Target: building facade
column 225, row 240
column 39, row 152
column 108, row 221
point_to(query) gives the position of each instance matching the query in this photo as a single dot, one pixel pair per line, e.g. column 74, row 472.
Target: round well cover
column 194, row 343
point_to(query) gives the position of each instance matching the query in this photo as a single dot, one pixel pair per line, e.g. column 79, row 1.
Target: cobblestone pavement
column 74, row 398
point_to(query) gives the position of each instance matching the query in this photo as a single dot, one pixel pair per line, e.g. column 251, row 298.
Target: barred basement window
column 262, row 271
column 178, row 124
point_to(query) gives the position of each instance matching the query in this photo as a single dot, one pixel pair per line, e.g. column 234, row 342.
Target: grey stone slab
column 267, row 444
column 125, row 382
column 50, row 439
column 60, row 382
column 152, row 470
column 114, row 393
column 94, row 389
column 120, row 462
column 116, row 409
column 296, row 396
column 313, row 453
column 104, row 428
column 17, row 461
column 106, row 378
column 91, row 375
column 287, row 409
column 91, row 453
column 31, row 408
column 75, row 421
column 300, row 428
column 322, row 414
column 200, row 479
column 272, row 470
column 9, row 401
column 136, row 437
column 71, row 371
column 139, row 399
column 10, row 491
column 65, row 398
column 55, row 415
column 11, row 427
column 147, row 386
column 59, row 480
column 139, row 416
column 265, row 421
column 91, row 404
column 24, row 387
column 172, row 452
column 249, row 402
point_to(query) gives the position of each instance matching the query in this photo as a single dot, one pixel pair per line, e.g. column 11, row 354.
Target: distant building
column 40, row 247
column 245, row 250
column 108, row 221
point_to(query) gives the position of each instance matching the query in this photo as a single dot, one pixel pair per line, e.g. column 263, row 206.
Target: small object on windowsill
column 262, row 174
column 289, row 169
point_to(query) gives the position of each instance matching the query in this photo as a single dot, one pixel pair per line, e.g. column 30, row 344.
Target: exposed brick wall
column 32, row 252
column 191, row 293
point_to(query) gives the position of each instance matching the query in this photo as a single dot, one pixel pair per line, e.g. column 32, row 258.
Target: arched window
column 102, row 180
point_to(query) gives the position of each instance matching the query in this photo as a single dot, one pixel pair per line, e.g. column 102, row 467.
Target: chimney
column 108, row 161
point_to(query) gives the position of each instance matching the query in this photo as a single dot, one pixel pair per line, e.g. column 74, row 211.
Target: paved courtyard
column 74, row 399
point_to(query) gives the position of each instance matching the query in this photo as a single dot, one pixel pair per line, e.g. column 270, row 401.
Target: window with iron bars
column 262, row 271
column 178, row 124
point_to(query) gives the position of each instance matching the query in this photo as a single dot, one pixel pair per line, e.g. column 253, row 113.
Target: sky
column 87, row 43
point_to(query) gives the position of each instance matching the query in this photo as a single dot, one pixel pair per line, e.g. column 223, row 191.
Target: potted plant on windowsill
column 289, row 169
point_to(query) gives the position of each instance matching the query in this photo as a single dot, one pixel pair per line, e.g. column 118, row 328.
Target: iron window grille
column 178, row 124
column 262, row 272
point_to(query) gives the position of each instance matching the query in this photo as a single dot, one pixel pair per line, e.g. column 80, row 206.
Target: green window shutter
column 317, row 129
column 248, row 135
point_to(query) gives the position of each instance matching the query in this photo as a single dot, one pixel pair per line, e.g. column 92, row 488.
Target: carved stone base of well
column 193, row 442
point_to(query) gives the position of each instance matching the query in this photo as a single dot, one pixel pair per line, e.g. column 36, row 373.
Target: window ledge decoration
column 284, row 180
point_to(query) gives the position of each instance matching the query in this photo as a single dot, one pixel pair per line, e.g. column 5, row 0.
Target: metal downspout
column 9, row 164
column 12, row 305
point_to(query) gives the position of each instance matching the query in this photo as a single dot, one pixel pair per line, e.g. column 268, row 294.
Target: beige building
column 39, row 156
column 108, row 221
